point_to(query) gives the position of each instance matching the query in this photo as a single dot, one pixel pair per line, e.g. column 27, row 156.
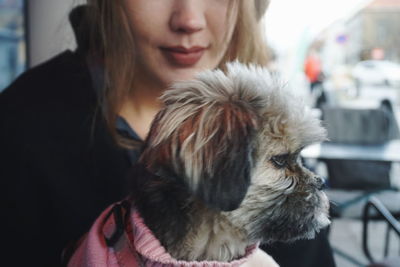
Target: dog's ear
column 205, row 138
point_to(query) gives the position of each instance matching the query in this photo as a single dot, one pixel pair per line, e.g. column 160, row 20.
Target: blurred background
column 352, row 45
column 342, row 57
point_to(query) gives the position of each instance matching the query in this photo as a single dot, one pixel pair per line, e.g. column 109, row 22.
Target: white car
column 377, row 72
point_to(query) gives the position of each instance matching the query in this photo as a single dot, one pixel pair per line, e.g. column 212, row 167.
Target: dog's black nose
column 320, row 183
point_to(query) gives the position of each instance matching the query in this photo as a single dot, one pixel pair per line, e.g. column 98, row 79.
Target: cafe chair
column 374, row 209
column 352, row 181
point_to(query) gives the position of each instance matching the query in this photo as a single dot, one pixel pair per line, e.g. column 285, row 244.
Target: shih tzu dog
column 221, row 166
column 220, row 171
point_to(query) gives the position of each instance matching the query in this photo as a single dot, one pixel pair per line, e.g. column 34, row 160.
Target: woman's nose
column 188, row 16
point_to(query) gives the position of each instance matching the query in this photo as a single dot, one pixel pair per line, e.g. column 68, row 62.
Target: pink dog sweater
column 143, row 249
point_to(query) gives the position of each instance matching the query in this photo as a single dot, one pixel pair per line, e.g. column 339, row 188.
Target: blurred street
column 371, row 96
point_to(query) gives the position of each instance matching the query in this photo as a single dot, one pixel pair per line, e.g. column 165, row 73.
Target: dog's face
column 234, row 140
column 284, row 201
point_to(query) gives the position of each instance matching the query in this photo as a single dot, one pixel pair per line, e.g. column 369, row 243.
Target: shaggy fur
column 220, row 169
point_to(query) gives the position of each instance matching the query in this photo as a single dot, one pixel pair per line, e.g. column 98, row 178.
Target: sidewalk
column 346, row 235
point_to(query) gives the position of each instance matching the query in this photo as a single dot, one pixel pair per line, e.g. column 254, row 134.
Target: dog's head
column 233, row 139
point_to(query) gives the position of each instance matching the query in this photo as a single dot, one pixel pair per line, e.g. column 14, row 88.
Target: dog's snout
column 320, row 182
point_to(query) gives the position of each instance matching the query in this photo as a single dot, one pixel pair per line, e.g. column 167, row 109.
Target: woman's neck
column 140, row 108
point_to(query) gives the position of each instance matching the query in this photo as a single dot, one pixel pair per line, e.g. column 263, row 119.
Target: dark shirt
column 126, row 131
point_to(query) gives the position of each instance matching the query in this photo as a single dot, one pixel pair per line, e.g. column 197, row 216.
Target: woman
column 159, row 42
column 61, row 121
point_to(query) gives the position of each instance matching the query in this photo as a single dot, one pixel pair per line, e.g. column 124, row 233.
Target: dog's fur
column 220, row 169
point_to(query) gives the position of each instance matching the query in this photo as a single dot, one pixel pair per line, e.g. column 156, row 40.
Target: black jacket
column 59, row 167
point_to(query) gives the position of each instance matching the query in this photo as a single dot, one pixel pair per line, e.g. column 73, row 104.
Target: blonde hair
column 112, row 43
column 247, row 44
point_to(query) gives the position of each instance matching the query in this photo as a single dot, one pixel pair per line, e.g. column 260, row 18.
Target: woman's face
column 175, row 39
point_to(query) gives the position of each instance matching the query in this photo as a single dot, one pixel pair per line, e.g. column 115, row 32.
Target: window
column 12, row 40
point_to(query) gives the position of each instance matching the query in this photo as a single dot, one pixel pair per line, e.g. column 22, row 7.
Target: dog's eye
column 280, row 161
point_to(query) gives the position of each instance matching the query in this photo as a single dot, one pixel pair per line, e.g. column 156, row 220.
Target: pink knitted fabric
column 93, row 251
column 153, row 254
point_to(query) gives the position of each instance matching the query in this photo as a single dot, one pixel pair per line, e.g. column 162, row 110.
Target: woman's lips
column 182, row 56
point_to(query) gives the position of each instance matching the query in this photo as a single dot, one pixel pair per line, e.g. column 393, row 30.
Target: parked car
column 376, row 72
column 340, row 89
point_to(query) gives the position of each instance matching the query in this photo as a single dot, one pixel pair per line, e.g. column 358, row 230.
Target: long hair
column 111, row 43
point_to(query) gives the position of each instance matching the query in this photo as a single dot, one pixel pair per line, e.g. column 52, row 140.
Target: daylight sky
column 287, row 21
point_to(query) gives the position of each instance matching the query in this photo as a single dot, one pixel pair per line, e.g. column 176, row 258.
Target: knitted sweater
column 142, row 248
